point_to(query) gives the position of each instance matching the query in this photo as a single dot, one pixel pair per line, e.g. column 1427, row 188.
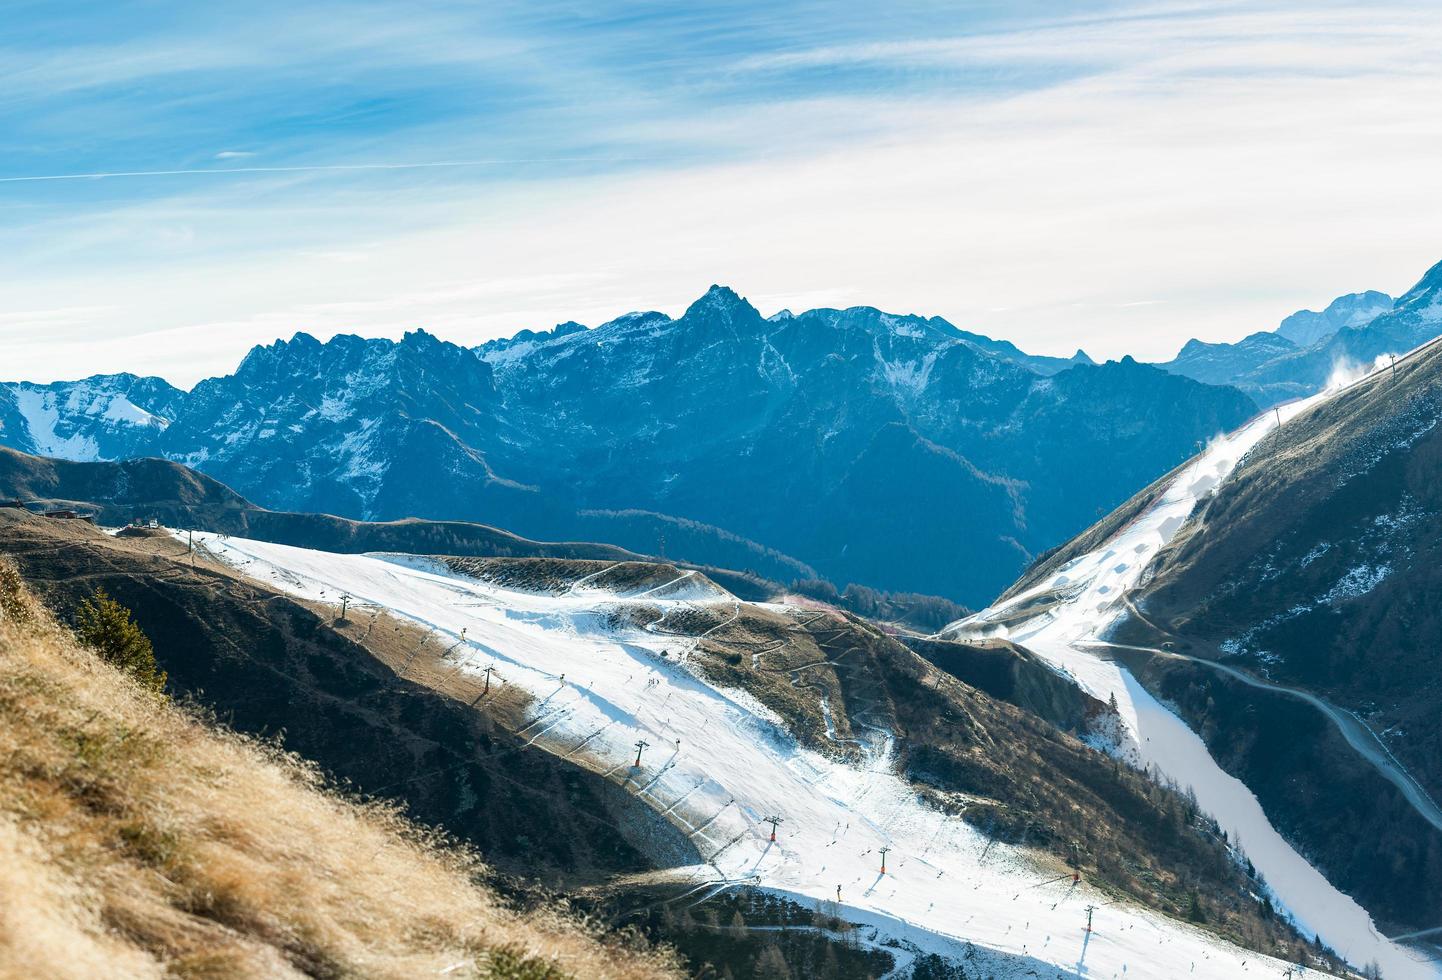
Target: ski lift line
column 726, row 846
column 587, row 739
column 565, row 714
column 658, row 777
column 544, row 716
column 713, row 819
column 616, row 919
column 717, row 891
column 682, row 798
column 665, row 585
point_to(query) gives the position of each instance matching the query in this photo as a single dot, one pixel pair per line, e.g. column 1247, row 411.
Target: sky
column 180, row 181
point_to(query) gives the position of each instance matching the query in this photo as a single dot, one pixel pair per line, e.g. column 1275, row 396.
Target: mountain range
column 850, row 445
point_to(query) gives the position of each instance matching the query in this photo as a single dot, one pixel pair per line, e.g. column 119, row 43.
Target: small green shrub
column 511, row 964
column 105, row 626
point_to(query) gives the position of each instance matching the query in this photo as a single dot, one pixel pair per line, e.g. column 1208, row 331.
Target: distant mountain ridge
column 893, row 451
column 1303, row 352
column 1305, row 327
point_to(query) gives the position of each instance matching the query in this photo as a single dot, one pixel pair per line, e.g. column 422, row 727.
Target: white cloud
column 1208, row 173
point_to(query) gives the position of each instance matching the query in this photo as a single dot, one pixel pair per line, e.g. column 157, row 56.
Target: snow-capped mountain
column 854, row 444
column 1310, row 349
column 1307, row 327
column 109, row 416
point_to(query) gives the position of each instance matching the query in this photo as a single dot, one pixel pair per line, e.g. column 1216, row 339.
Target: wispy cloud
column 316, row 168
column 1024, row 174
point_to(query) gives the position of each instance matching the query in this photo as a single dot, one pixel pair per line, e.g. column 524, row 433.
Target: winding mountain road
column 1358, row 735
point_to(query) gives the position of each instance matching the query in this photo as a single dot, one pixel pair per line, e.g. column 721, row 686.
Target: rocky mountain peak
column 1424, row 295
column 721, row 304
column 1307, row 327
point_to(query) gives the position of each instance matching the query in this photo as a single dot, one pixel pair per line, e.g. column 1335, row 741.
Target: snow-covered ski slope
column 718, row 763
column 1063, row 616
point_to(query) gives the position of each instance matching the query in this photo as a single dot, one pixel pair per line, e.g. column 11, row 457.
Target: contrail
column 319, row 167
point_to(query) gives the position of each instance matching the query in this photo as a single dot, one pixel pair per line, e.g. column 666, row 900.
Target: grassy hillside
column 138, row 841
column 369, row 700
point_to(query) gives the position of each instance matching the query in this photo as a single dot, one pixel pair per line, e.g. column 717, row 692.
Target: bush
column 104, row 626
column 14, row 605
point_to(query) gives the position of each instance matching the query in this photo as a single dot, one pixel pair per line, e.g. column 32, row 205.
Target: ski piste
column 717, row 764
column 1064, row 619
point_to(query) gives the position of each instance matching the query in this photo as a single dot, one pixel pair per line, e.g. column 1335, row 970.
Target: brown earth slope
column 138, row 841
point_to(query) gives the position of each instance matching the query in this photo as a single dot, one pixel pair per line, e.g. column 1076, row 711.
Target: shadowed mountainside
column 896, row 452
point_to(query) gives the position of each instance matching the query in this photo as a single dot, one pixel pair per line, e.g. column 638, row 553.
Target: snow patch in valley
column 717, row 763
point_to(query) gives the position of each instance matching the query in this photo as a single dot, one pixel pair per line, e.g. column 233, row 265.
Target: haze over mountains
column 898, row 452
column 1300, row 356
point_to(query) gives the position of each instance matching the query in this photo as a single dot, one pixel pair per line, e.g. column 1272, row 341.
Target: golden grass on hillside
column 137, row 841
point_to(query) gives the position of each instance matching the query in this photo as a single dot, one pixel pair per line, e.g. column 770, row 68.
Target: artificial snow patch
column 717, row 763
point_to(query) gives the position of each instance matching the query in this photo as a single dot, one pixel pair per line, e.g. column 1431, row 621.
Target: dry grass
column 138, row 841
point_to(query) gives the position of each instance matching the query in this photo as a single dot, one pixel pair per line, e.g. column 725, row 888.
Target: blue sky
column 1114, row 177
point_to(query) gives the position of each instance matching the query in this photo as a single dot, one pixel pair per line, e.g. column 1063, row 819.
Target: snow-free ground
column 1061, row 619
column 717, row 763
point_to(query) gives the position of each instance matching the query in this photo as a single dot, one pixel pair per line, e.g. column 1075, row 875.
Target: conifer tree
column 106, row 627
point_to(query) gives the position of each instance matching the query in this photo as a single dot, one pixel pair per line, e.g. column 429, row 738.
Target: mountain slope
column 1315, row 567
column 1316, row 563
column 796, row 711
column 1329, row 829
column 138, row 841
column 770, row 444
column 720, row 676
